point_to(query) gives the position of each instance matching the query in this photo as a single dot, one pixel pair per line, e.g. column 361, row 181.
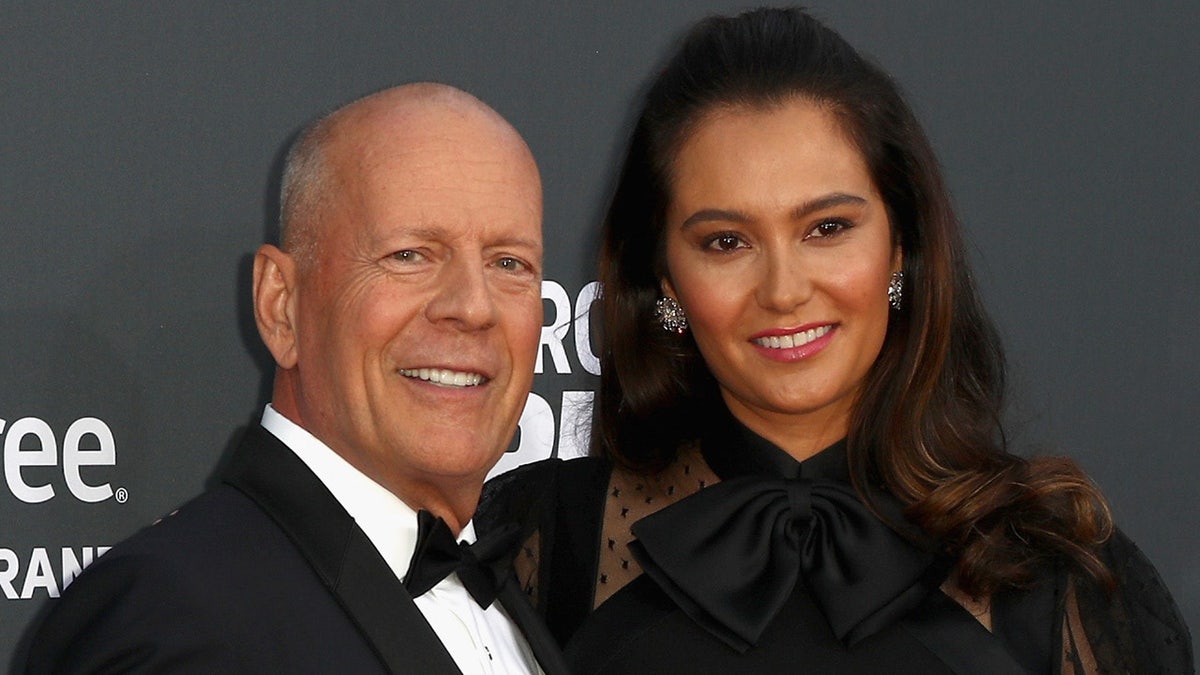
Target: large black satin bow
column 731, row 555
column 482, row 567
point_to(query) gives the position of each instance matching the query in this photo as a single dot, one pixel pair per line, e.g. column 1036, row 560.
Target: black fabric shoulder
column 517, row 496
column 559, row 505
column 1137, row 628
column 572, row 549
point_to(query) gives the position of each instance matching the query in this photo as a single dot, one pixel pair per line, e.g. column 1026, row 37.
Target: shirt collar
column 388, row 522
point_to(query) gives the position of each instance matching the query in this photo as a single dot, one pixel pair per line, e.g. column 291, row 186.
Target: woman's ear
column 275, row 280
column 664, row 285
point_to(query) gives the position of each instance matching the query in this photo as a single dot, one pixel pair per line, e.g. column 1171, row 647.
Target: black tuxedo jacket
column 265, row 573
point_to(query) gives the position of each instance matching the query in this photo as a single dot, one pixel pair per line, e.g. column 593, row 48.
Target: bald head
column 404, row 310
column 405, row 114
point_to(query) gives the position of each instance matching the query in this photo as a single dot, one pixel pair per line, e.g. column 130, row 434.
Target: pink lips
column 809, row 339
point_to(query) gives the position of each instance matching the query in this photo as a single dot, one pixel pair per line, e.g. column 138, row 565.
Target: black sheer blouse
column 738, row 558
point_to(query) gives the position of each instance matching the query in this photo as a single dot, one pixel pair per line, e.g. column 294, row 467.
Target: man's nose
column 464, row 296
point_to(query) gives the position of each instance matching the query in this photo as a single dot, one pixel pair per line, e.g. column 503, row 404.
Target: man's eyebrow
column 808, row 207
column 520, row 242
column 421, row 232
column 442, row 233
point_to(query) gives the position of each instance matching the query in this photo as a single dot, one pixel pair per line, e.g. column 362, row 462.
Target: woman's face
column 779, row 248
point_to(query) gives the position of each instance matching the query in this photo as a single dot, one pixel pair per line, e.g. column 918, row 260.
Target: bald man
column 403, row 311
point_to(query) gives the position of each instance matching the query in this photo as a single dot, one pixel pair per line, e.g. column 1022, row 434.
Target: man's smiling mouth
column 445, row 377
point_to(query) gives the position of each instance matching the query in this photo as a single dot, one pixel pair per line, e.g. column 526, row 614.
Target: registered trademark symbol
column 122, row 495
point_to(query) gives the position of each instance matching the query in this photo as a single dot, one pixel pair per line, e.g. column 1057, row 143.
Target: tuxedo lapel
column 544, row 647
column 339, row 552
column 386, row 614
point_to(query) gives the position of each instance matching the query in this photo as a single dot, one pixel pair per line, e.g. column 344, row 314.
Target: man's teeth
column 794, row 340
column 449, row 378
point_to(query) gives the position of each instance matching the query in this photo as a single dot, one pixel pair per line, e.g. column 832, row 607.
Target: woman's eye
column 829, row 228
column 725, row 242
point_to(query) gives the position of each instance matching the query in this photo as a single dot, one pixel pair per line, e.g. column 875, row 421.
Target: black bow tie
column 731, row 555
column 482, row 567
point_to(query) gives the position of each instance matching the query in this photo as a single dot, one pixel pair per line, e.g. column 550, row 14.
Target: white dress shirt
column 482, row 641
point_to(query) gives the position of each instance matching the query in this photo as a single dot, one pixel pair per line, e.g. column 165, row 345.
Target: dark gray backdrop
column 139, row 155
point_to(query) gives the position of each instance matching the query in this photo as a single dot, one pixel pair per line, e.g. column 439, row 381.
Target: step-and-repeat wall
column 140, row 149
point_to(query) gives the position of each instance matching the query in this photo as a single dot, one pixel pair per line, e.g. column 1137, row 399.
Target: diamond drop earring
column 670, row 315
column 896, row 289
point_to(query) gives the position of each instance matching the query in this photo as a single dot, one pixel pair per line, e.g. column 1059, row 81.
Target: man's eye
column 511, row 264
column 408, row 255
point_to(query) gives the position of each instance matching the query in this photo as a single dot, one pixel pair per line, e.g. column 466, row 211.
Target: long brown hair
column 927, row 424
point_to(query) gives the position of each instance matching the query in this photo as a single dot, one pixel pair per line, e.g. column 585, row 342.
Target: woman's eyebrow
column 733, row 216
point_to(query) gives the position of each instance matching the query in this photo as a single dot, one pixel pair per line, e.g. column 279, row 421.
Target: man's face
column 418, row 317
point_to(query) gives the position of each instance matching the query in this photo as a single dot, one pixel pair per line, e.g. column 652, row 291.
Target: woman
column 803, row 466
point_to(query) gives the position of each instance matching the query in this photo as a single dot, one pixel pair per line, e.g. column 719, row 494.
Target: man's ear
column 275, row 303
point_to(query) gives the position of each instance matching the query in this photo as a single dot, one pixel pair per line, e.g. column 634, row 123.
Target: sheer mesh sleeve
column 575, row 518
column 631, row 497
column 1135, row 629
